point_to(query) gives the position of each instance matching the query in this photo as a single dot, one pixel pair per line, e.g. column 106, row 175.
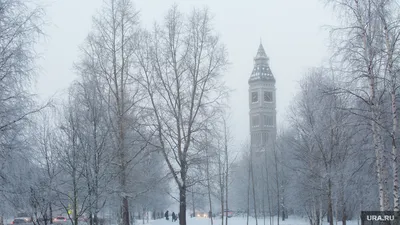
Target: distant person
column 166, row 215
column 173, row 217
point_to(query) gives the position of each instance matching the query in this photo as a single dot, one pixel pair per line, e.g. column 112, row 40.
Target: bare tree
column 71, row 191
column 21, row 24
column 108, row 54
column 94, row 136
column 181, row 66
column 20, row 28
column 360, row 43
column 46, row 158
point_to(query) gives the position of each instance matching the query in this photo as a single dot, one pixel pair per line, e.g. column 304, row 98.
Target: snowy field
column 243, row 221
column 232, row 221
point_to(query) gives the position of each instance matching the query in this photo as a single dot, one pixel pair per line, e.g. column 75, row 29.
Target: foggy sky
column 291, row 33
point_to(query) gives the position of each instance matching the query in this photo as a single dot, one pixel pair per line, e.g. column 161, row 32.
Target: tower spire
column 261, row 68
column 261, row 52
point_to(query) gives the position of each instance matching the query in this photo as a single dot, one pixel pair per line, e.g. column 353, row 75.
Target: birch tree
column 47, row 159
column 387, row 12
column 360, row 41
column 21, row 25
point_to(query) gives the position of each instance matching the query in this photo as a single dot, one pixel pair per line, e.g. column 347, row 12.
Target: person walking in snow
column 166, row 215
column 173, row 217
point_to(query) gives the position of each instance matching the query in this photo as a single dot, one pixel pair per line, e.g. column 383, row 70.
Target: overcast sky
column 292, row 34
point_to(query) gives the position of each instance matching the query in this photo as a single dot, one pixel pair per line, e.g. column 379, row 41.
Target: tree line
column 137, row 116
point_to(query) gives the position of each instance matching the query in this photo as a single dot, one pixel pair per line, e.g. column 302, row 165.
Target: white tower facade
column 262, row 104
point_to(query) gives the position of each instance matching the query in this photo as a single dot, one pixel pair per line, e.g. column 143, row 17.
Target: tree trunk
column 193, row 205
column 208, row 182
column 336, row 210
column 344, row 217
column 268, row 190
column 254, row 189
column 330, row 208
column 144, row 215
column 248, row 193
column 389, row 67
column 125, row 211
column 394, row 153
column 284, row 215
column 277, row 182
column 263, row 198
column 51, row 212
column 226, row 170
column 221, row 186
column 380, row 168
column 182, row 205
column 90, row 218
column 75, row 192
column 269, row 199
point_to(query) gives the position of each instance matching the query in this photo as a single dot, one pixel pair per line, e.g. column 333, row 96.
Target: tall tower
column 262, row 104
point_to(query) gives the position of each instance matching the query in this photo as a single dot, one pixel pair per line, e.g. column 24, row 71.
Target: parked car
column 22, row 220
column 227, row 213
column 59, row 219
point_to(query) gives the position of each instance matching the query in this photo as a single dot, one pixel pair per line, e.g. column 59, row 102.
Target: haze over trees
column 145, row 126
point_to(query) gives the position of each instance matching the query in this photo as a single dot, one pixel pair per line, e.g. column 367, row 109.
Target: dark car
column 22, row 220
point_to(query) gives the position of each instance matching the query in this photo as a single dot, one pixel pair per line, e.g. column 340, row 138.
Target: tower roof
column 261, row 52
column 261, row 70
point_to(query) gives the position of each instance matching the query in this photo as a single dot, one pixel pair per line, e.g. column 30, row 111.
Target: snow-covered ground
column 232, row 221
column 243, row 221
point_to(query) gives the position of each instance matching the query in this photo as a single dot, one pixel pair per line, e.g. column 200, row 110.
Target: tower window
column 255, row 121
column 265, row 138
column 254, row 97
column 268, row 120
column 268, row 96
